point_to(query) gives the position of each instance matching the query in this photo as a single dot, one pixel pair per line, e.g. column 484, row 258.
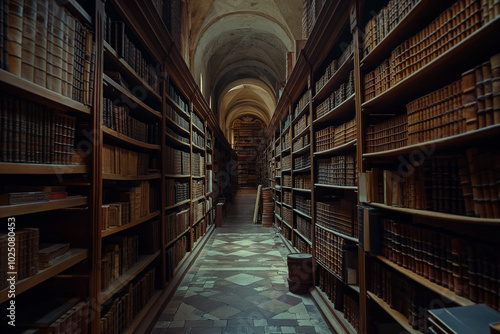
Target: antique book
column 15, row 36
column 40, row 63
column 28, row 42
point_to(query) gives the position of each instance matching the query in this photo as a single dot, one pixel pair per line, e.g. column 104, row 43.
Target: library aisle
column 238, row 284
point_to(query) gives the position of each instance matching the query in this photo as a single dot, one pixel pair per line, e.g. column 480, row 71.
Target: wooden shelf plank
column 65, row 261
column 177, row 176
column 174, row 240
column 335, row 318
column 129, row 71
column 339, row 77
column 128, row 276
column 199, row 220
column 134, row 100
column 411, row 87
column 45, row 169
column 24, row 88
column 198, row 148
column 177, row 108
column 124, row 139
column 199, row 198
column 302, row 170
column 23, row 209
column 78, row 10
column 439, row 215
column 287, row 205
column 142, row 314
column 118, row 177
column 454, row 141
column 339, row 111
column 401, row 319
column 302, row 190
column 198, row 129
column 319, row 185
column 113, row 230
column 303, row 237
column 301, row 113
column 301, row 133
column 302, row 213
column 353, row 239
column 178, row 204
column 302, row 150
column 336, row 150
column 428, row 284
column 176, row 127
column 199, row 177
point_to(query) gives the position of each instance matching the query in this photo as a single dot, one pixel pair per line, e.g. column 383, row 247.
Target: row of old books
column 301, row 245
column 463, row 185
column 26, row 255
column 467, row 267
column 198, row 140
column 351, row 311
column 335, row 136
column 286, row 163
column 208, row 135
column 382, row 24
column 302, row 182
column 303, row 161
column 175, row 254
column 455, row 24
column 120, row 253
column 199, row 230
column 334, row 66
column 308, row 17
column 287, row 215
column 176, row 223
column 304, row 227
column 44, row 43
column 177, row 119
column 387, row 135
column 344, row 92
column 177, row 162
column 329, row 251
column 287, row 181
column 117, row 117
column 75, row 320
column 198, row 188
column 197, row 122
column 302, row 103
column 120, row 161
column 172, row 91
column 12, row 195
column 117, row 35
column 303, row 204
column 177, row 191
column 301, row 125
column 339, row 216
column 198, row 210
column 402, row 294
column 331, row 286
column 337, row 171
column 118, row 313
column 300, row 143
column 277, row 148
column 287, row 198
column 286, row 141
column 198, row 165
column 31, row 133
column 277, row 209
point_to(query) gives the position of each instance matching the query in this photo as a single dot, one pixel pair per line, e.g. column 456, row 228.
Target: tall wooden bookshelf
column 401, row 121
column 116, row 164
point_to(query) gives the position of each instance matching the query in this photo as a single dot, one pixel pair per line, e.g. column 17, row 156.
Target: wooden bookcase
column 381, row 150
column 138, row 106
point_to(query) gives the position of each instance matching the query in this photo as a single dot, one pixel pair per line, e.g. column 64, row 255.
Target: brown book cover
column 495, row 75
column 87, row 67
column 70, row 55
column 15, row 36
column 28, row 42
column 49, row 72
column 5, row 53
column 40, row 64
column 57, row 49
column 469, row 100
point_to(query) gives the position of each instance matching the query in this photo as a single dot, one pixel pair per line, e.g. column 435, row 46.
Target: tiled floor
column 239, row 284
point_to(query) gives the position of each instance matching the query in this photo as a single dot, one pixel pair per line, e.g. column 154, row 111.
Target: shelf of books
column 403, row 165
column 46, row 94
column 111, row 144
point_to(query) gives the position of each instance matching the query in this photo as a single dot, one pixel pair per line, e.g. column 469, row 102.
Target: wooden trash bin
column 300, row 272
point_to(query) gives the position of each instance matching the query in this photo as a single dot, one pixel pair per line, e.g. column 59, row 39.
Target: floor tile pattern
column 238, row 284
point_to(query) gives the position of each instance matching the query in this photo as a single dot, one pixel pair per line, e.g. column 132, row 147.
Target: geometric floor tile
column 243, row 279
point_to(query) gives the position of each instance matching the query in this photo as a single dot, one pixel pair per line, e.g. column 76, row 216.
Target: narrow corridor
column 239, row 284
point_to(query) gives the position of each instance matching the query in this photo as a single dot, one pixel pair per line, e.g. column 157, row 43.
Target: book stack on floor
column 267, row 207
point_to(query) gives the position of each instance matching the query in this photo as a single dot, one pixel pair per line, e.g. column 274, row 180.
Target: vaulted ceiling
column 236, row 50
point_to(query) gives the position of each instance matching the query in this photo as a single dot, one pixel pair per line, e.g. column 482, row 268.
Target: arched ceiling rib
column 242, row 43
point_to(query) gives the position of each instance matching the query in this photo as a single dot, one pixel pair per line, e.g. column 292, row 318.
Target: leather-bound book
column 28, row 42
column 15, row 36
column 40, row 63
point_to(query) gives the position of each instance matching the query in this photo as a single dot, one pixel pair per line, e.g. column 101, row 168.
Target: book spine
column 28, row 41
column 58, row 49
column 49, row 61
column 40, row 63
column 15, row 36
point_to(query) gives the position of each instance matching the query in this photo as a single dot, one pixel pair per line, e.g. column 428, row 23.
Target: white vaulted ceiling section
column 237, row 53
